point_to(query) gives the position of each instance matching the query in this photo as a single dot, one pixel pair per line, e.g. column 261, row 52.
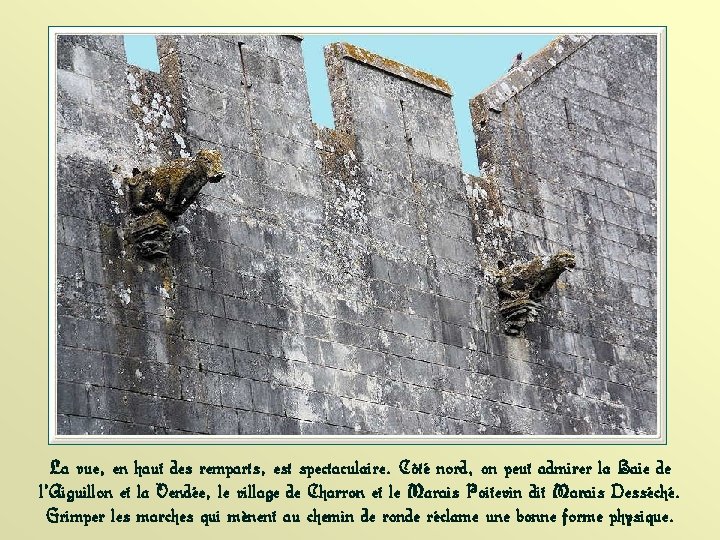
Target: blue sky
column 468, row 62
column 141, row 51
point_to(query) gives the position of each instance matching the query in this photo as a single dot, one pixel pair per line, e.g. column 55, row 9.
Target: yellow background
column 692, row 243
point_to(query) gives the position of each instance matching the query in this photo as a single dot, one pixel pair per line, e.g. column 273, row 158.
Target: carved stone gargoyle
column 159, row 195
column 522, row 286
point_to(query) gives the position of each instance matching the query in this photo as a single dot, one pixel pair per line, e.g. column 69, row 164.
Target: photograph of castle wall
column 225, row 266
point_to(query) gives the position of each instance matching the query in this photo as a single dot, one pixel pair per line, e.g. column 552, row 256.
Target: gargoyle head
column 211, row 161
column 549, row 272
column 562, row 259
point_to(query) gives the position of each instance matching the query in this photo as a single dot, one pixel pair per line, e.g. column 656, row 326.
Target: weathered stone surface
column 343, row 281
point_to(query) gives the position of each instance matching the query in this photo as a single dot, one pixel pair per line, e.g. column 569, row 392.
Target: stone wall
column 568, row 142
column 343, row 281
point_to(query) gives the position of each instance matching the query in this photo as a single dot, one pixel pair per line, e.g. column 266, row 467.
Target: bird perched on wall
column 517, row 61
